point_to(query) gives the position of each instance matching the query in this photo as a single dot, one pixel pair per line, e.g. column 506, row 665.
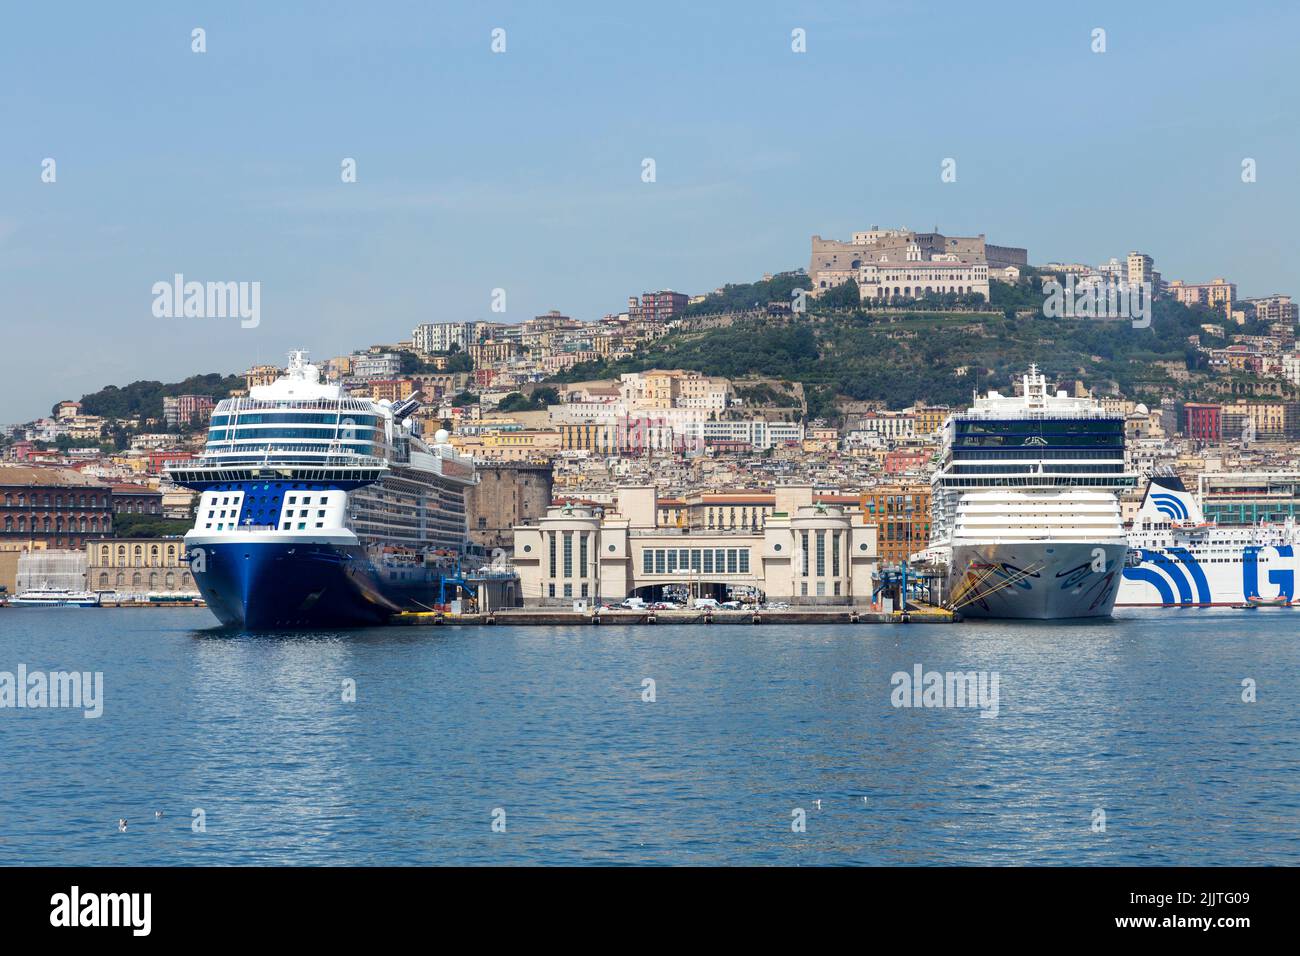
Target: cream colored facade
column 512, row 445
column 806, row 553
column 915, row 277
column 138, row 566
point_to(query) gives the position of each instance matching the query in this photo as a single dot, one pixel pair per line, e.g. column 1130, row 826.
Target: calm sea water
column 1142, row 717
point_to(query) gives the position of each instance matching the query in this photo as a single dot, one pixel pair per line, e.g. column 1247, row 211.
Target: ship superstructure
column 1025, row 505
column 321, row 509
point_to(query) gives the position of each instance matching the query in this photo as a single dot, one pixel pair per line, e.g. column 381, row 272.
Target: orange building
column 901, row 512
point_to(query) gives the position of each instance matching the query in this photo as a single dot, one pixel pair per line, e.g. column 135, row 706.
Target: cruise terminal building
column 807, row 554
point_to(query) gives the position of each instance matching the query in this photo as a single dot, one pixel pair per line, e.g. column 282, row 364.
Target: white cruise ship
column 1025, row 506
column 1178, row 559
column 321, row 509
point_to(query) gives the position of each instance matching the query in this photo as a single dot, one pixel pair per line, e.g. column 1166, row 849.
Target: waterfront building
column 136, row 500
column 136, row 567
column 51, row 570
column 901, row 513
column 507, row 494
column 808, row 553
column 730, row 510
column 51, row 508
column 1249, row 497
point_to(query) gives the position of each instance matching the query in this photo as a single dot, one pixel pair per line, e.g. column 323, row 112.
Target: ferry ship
column 1178, row 559
column 54, row 597
column 1025, row 511
column 321, row 509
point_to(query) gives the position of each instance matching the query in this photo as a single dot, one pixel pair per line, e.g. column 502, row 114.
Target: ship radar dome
column 440, row 436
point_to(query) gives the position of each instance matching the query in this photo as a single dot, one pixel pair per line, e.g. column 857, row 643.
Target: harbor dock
column 551, row 617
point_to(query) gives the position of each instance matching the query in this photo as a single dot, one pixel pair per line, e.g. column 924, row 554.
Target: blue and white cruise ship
column 320, row 509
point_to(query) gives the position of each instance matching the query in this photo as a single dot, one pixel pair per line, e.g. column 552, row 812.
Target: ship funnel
column 1168, row 501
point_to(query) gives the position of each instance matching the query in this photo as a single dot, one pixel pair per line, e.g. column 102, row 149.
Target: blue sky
column 522, row 170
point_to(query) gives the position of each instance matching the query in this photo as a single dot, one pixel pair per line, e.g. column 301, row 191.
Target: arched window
column 103, row 580
column 103, row 555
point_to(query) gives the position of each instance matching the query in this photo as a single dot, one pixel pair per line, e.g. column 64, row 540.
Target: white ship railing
column 326, row 404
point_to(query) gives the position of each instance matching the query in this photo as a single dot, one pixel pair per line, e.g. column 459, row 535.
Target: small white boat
column 54, row 597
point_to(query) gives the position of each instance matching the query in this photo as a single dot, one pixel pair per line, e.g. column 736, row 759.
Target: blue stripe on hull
column 291, row 585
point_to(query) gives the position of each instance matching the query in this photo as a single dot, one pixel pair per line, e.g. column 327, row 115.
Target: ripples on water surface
column 1141, row 716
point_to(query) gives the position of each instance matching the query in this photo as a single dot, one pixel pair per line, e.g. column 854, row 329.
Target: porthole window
column 528, row 548
column 862, row 547
column 776, row 547
column 611, row 547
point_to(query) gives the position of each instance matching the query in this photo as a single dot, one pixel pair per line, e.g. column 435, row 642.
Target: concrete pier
column 553, row 617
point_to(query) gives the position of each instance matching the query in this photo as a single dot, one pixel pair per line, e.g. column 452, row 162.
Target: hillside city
column 837, row 377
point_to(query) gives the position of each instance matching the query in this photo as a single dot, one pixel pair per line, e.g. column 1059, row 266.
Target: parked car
column 702, row 604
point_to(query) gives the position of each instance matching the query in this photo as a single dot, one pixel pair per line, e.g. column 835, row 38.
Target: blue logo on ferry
column 1170, row 506
column 1161, row 569
column 1284, row 579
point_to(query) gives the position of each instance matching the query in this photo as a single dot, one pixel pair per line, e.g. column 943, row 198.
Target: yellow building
column 598, row 438
column 510, row 445
column 930, row 419
column 138, row 566
column 392, row 389
column 491, row 352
